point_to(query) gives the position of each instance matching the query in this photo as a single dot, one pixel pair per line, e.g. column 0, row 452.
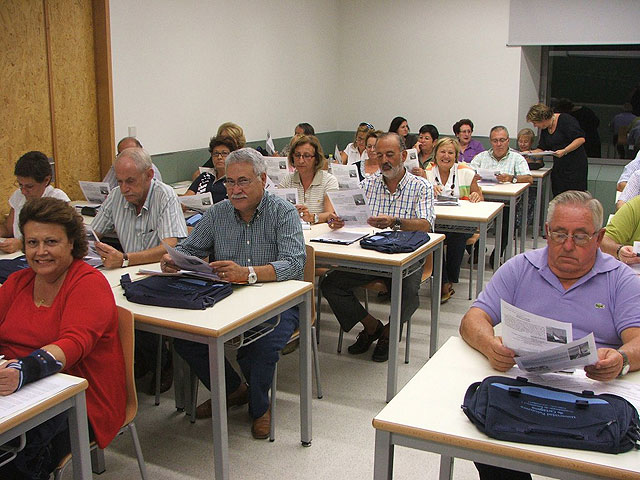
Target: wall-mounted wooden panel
column 74, row 93
column 24, row 93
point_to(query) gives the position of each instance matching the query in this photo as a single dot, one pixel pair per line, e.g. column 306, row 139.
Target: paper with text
column 351, row 206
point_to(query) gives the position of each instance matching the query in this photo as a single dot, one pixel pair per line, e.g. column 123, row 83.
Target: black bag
column 10, row 265
column 176, row 292
column 395, row 241
column 518, row 411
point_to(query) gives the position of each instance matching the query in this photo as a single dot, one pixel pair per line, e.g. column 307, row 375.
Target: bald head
column 128, row 142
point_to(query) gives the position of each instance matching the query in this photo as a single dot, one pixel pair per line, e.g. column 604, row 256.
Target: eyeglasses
column 241, row 182
column 499, row 140
column 306, row 156
column 28, row 187
column 220, row 154
column 580, row 239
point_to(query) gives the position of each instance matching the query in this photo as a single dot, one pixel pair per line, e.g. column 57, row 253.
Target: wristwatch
column 397, row 224
column 253, row 278
column 125, row 260
column 625, row 364
column 514, row 179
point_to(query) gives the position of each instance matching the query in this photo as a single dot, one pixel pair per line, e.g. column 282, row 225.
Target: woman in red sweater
column 60, row 315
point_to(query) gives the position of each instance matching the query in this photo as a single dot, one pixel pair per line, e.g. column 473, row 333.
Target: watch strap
column 625, row 363
column 125, row 260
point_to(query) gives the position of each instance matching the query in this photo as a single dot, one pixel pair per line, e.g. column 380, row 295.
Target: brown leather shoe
column 236, row 399
column 261, row 426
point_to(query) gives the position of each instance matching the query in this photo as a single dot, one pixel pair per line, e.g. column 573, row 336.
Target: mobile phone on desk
column 192, row 220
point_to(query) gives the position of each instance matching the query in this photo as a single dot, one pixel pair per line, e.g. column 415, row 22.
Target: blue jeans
column 257, row 361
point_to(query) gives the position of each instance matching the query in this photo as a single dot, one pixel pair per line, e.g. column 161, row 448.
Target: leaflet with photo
column 199, row 202
column 288, row 194
column 411, row 161
column 188, row 262
column 488, row 176
column 277, row 168
column 351, row 206
column 94, row 192
column 347, row 176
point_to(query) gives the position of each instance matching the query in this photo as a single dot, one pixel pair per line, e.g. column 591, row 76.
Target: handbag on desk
column 395, row 241
column 176, row 292
column 516, row 410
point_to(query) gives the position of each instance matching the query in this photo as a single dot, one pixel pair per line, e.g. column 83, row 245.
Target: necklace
column 40, row 302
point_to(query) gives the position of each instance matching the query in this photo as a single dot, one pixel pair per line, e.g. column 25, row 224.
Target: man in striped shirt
column 397, row 200
column 143, row 212
column 251, row 237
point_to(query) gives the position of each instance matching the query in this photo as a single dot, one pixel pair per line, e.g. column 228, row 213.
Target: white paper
column 182, row 273
column 32, row 394
column 206, row 170
column 342, row 236
column 199, row 202
column 95, row 192
column 269, row 185
column 347, row 176
column 277, row 168
column 539, row 154
column 336, row 155
column 289, row 194
column 92, row 257
column 187, row 262
column 271, row 148
column 572, row 355
column 636, row 248
column 446, row 201
column 411, row 161
column 488, row 175
column 351, row 206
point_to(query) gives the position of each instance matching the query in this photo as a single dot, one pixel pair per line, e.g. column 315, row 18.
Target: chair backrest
column 126, row 334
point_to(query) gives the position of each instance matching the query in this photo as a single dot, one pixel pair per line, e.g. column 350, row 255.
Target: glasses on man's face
column 24, row 186
column 241, row 182
column 219, row 154
column 306, row 156
column 580, row 239
column 499, row 141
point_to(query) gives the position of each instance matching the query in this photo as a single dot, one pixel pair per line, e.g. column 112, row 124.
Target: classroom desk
column 71, row 399
column 511, row 193
column 542, row 182
column 420, row 418
column 247, row 307
column 357, row 259
column 468, row 217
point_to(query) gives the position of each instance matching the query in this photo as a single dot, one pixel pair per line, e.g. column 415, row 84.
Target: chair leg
column 340, row 335
column 366, row 299
column 316, row 363
column 407, row 344
column 158, row 368
column 274, row 382
column 136, row 446
column 97, row 461
column 473, row 250
column 194, row 396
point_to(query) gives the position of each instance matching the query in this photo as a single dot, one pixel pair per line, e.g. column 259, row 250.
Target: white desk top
column 418, row 411
column 541, row 172
column 466, row 210
column 504, row 189
column 244, row 304
column 355, row 252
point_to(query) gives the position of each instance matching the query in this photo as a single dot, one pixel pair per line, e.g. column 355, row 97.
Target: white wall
column 430, row 62
column 182, row 68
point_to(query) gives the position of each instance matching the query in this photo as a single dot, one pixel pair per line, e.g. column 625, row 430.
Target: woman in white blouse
column 356, row 151
column 311, row 180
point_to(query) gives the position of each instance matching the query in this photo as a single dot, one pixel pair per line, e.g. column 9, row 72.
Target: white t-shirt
column 17, row 201
column 353, row 155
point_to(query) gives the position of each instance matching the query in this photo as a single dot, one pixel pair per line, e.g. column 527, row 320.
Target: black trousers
column 489, row 472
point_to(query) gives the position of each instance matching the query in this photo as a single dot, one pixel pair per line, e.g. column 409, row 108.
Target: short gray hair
column 580, row 199
column 140, row 157
column 499, row 127
column 248, row 155
column 398, row 138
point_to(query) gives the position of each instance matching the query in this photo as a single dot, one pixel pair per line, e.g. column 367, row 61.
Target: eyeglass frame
column 575, row 237
column 242, row 182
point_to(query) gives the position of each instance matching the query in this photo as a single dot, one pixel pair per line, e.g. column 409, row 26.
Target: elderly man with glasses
column 512, row 166
column 569, row 280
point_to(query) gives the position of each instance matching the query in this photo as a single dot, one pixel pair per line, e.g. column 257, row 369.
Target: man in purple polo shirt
column 569, row 280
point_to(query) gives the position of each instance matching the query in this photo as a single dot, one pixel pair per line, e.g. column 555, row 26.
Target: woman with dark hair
column 33, row 177
column 227, row 129
column 356, row 151
column 303, row 128
column 428, row 135
column 310, row 179
column 60, row 315
column 561, row 133
column 220, row 148
column 469, row 147
column 400, row 126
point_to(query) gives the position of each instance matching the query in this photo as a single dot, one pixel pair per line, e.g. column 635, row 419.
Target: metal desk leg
column 481, row 257
column 218, row 409
column 523, row 220
column 79, row 433
column 446, row 467
column 305, row 369
column 383, row 458
column 547, row 196
column 394, row 332
column 512, row 221
column 499, row 220
column 436, row 283
column 537, row 211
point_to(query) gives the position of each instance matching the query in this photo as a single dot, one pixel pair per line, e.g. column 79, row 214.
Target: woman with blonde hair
column 356, row 151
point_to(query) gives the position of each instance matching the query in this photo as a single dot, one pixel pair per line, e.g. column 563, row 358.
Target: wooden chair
column 126, row 334
column 381, row 286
